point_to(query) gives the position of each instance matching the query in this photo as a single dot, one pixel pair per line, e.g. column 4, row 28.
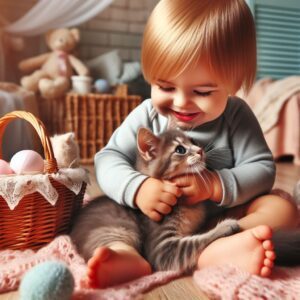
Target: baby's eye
column 166, row 88
column 203, row 94
column 180, row 150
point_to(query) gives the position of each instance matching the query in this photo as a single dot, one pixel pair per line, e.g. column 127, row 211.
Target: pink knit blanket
column 14, row 264
column 230, row 283
column 224, row 282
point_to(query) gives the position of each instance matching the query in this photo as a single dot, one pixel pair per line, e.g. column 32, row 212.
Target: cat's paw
column 227, row 227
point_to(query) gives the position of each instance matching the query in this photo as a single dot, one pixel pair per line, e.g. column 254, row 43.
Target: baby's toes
column 270, row 254
column 268, row 263
column 265, row 271
column 268, row 245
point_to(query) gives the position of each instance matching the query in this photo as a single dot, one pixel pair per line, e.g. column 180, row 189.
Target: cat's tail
column 169, row 251
column 287, row 247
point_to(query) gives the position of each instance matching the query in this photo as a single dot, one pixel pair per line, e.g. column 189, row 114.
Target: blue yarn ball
column 102, row 85
column 51, row 280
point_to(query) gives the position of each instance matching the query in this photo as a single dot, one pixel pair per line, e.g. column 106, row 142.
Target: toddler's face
column 193, row 98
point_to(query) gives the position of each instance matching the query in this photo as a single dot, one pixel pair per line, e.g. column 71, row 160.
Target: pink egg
column 5, row 168
column 27, row 161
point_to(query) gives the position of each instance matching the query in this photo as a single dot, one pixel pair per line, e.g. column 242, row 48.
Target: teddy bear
column 53, row 70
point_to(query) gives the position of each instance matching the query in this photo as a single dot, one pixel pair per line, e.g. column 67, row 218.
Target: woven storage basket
column 52, row 112
column 34, row 222
column 94, row 117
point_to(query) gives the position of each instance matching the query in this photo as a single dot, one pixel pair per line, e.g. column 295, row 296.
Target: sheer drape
column 49, row 14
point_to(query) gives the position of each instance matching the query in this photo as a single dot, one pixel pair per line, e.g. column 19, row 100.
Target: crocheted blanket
column 224, row 282
column 14, row 264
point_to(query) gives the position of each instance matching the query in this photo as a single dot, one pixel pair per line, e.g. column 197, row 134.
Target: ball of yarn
column 27, row 161
column 50, row 280
column 101, row 85
column 5, row 168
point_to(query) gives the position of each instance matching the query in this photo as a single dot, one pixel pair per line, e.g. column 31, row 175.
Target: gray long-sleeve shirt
column 236, row 150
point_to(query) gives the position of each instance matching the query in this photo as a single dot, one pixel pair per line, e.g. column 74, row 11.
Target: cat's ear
column 70, row 136
column 147, row 144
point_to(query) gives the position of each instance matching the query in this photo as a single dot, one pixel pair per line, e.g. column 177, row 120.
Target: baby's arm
column 253, row 171
column 114, row 164
column 156, row 198
column 117, row 176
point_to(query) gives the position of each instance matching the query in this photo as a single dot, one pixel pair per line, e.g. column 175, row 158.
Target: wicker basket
column 94, row 117
column 34, row 222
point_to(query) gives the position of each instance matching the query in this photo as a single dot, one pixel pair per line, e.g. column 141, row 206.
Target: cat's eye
column 180, row 150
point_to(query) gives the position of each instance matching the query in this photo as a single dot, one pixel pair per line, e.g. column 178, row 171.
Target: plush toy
column 53, row 70
column 51, row 280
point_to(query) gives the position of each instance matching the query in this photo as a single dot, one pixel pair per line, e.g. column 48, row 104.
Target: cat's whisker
column 218, row 156
column 206, row 180
column 196, row 171
column 217, row 151
column 209, row 147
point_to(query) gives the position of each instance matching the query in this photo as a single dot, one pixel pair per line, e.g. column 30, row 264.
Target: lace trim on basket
column 14, row 187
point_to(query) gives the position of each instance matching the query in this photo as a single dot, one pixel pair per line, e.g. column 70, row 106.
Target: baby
column 196, row 55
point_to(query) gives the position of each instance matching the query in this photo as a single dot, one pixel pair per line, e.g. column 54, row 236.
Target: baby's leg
column 115, row 264
column 252, row 249
column 271, row 210
column 109, row 237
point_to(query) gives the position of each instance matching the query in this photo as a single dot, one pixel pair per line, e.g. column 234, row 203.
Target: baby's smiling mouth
column 185, row 116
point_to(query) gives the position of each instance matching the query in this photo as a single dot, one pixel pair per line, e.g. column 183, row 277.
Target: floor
column 184, row 288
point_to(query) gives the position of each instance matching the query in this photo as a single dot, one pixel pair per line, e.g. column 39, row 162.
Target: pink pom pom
column 5, row 168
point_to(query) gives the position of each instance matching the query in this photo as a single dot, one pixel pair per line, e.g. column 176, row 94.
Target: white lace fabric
column 14, row 187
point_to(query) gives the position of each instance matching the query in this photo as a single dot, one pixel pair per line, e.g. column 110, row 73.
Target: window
column 278, row 37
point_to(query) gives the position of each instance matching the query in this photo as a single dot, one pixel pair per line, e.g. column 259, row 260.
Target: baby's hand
column 195, row 187
column 156, row 198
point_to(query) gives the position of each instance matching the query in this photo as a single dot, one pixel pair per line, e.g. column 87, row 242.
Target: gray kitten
column 172, row 244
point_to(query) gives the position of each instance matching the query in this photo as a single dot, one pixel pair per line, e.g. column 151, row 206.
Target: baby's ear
column 147, row 144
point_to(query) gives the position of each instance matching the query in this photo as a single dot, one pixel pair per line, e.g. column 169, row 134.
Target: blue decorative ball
column 51, row 280
column 102, row 86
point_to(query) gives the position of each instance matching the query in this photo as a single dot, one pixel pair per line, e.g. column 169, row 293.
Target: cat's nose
column 200, row 152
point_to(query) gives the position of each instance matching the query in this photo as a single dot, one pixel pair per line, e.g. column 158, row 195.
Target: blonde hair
column 180, row 33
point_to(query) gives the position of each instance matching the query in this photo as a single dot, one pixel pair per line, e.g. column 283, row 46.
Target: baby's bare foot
column 108, row 267
column 250, row 250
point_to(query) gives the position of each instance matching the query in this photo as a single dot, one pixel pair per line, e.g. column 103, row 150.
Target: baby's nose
column 180, row 100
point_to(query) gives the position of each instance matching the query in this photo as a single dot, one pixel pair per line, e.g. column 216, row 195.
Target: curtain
column 50, row 14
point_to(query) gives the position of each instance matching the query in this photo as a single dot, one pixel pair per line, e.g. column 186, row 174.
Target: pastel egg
column 5, row 168
column 50, row 280
column 27, row 161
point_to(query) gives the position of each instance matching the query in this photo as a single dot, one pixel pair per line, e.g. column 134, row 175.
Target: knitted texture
column 51, row 280
column 224, row 282
column 14, row 264
column 229, row 283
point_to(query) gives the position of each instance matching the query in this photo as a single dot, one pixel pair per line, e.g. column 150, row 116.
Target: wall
column 14, row 9
column 119, row 26
column 11, row 11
